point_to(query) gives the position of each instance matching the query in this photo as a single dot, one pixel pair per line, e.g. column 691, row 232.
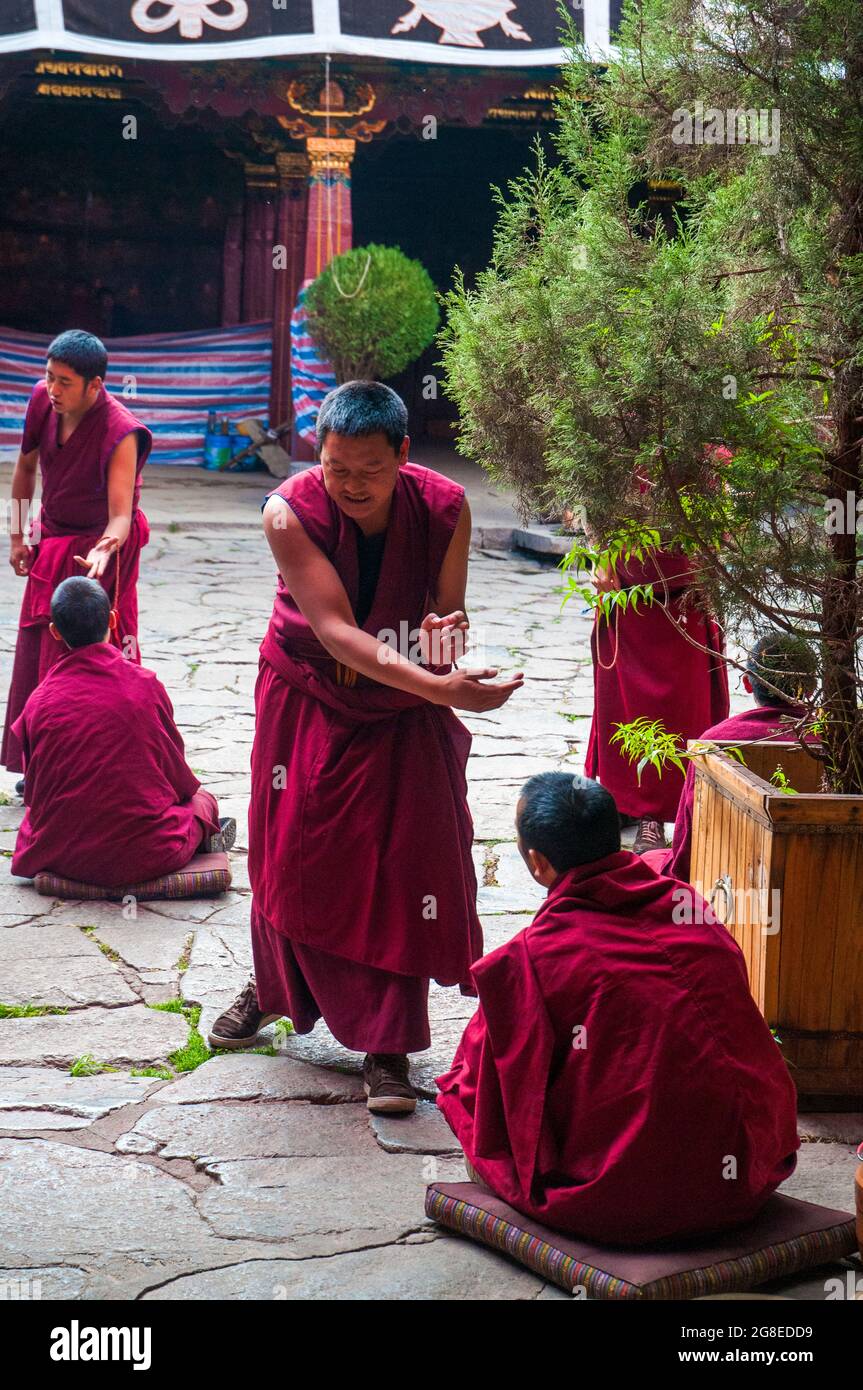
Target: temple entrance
column 440, row 210
column 117, row 235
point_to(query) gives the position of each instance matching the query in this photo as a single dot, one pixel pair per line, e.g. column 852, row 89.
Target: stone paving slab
column 42, row 1098
column 247, row 1076
column 153, row 949
column 425, row 1132
column 446, row 1268
column 52, row 965
column 214, row 1132
column 21, row 902
column 131, row 1036
column 219, row 966
column 324, row 1205
column 121, row 1224
column 824, row 1173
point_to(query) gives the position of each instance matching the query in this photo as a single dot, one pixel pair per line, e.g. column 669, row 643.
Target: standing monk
column 90, row 451
column 644, row 664
column 659, row 661
column 359, row 829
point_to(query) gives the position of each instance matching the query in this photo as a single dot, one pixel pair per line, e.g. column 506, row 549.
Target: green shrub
column 372, row 311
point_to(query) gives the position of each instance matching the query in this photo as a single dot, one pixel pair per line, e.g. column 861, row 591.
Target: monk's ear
column 113, row 619
column 54, row 633
column 747, row 684
column 538, row 864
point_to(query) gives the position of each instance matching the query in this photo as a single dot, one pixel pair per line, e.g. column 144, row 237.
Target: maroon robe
column 642, row 665
column 359, row 831
column 621, row 1133
column 766, row 722
column 110, row 797
column 73, row 516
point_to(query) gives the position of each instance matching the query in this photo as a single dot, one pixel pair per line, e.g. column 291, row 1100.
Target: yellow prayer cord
column 599, row 660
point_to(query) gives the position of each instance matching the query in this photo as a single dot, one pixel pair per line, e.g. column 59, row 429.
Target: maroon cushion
column 203, row 877
column 787, row 1236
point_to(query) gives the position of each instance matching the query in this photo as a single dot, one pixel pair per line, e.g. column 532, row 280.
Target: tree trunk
column 842, row 606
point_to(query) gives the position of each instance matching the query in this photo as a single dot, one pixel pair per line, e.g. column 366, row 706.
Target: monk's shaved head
column 782, row 668
column 361, row 408
column 80, row 611
column 82, row 351
column 569, row 820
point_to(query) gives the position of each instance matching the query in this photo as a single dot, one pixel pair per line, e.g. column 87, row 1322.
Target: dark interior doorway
column 433, row 199
column 115, row 235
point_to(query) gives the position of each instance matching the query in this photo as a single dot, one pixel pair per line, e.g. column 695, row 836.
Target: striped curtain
column 170, row 381
column 311, row 375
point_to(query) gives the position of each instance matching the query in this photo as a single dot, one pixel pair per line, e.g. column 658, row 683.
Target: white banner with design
column 478, row 33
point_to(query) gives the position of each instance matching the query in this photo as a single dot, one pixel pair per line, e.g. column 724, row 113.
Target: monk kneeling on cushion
column 110, row 798
column 617, row 1081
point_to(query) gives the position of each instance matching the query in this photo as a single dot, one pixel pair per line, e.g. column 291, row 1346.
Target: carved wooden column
column 329, row 227
column 292, row 170
column 232, row 269
column 259, row 241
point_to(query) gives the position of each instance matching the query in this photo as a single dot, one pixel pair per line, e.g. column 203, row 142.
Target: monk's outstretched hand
column 467, row 689
column 95, row 562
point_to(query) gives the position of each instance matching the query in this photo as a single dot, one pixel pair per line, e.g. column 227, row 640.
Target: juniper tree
column 606, row 351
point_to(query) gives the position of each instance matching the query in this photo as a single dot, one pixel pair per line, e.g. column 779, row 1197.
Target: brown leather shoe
column 239, row 1025
column 387, row 1084
column 650, row 835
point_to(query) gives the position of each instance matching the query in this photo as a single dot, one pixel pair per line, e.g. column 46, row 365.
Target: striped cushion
column 787, row 1236
column 203, row 877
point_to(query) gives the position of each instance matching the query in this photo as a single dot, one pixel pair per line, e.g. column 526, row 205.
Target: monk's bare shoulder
column 280, row 519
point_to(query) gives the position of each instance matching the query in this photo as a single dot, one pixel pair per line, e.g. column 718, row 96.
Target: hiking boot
column 239, row 1025
column 224, row 837
column 650, row 835
column 387, row 1084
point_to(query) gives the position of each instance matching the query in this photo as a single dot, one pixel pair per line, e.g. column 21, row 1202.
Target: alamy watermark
column 724, row 904
column 734, row 126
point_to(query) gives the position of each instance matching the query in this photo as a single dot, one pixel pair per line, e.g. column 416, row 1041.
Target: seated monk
column 617, row 1081
column 780, row 673
column 110, row 798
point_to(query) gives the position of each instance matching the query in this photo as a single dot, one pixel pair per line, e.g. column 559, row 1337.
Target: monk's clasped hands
column 605, row 580
column 443, row 641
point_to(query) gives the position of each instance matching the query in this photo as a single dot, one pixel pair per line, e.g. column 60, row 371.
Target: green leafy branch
column 648, row 743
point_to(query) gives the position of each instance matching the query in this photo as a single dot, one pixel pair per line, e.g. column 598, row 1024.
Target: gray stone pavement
column 262, row 1176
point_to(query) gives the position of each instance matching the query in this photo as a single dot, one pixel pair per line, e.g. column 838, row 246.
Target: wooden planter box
column 750, row 843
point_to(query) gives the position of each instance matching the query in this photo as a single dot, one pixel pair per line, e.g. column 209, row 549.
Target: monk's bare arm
column 320, row 596
column 445, row 625
column 452, row 580
column 122, row 469
column 23, row 487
